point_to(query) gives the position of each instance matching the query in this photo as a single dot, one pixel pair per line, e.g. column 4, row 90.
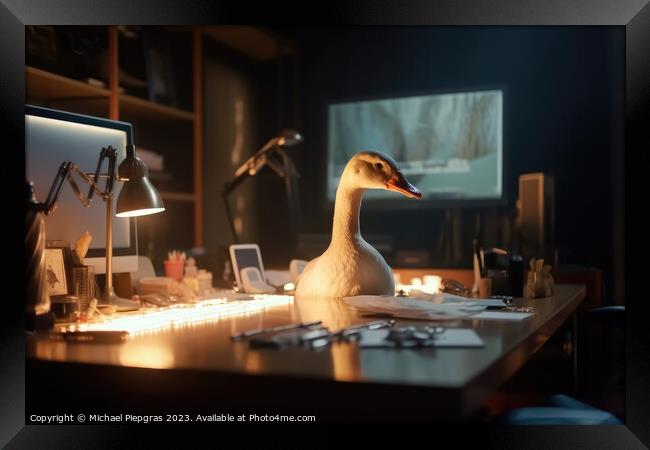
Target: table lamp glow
column 138, row 197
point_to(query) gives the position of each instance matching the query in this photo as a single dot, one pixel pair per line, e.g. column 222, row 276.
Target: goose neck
column 346, row 214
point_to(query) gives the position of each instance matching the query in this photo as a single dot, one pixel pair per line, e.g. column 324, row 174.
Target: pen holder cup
column 83, row 287
column 539, row 285
column 174, row 269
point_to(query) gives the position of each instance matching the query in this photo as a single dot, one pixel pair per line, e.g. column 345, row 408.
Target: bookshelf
column 41, row 84
column 173, row 132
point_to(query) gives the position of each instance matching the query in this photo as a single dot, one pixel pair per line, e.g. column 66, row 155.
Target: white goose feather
column 350, row 266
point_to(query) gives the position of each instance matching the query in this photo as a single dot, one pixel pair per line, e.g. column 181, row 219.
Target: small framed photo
column 57, row 268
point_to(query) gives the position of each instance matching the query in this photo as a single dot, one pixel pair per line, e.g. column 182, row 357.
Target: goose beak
column 399, row 184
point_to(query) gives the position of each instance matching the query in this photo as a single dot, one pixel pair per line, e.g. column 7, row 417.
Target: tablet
column 246, row 255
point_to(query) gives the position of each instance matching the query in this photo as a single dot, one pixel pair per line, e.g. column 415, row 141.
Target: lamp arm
column 85, row 200
column 264, row 156
column 250, row 162
column 53, row 196
column 231, row 185
column 277, row 167
column 291, row 186
column 111, row 154
column 66, row 171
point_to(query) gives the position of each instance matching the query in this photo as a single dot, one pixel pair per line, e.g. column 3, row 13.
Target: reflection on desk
column 458, row 379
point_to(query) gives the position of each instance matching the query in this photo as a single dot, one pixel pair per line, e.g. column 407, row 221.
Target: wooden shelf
column 258, row 43
column 50, row 86
column 178, row 196
column 51, row 90
column 57, row 89
column 135, row 108
column 251, row 41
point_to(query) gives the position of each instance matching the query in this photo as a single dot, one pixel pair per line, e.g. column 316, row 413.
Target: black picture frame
column 633, row 15
column 58, row 264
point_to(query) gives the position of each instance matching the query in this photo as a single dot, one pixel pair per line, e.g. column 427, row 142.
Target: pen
column 291, row 339
column 368, row 326
column 104, row 336
column 250, row 333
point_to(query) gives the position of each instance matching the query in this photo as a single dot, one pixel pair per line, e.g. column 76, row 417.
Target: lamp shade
column 289, row 137
column 138, row 196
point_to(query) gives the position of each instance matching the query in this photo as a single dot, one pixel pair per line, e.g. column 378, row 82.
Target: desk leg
column 574, row 351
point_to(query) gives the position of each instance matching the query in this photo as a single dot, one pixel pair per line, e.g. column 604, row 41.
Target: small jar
column 65, row 309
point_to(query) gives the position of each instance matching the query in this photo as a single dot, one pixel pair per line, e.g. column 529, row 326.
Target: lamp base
column 122, row 304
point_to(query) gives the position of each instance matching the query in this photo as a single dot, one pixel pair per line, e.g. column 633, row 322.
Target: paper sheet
column 441, row 298
column 432, row 307
column 503, row 315
column 408, row 308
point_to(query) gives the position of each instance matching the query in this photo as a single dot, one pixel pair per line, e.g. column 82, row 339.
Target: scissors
column 410, row 336
column 349, row 334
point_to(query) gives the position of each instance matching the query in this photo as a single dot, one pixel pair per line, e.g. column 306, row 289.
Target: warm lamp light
column 138, row 197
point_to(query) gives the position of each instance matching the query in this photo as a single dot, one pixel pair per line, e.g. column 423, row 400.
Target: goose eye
column 379, row 166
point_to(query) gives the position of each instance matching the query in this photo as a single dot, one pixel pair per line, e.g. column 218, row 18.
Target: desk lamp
column 285, row 169
column 138, row 197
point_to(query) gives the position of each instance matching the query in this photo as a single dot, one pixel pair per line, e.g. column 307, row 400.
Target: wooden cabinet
column 172, row 131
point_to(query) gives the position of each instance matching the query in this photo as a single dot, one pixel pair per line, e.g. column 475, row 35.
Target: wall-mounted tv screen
column 448, row 145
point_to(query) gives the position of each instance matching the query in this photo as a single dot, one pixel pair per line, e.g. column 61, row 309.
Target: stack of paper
column 410, row 308
column 420, row 305
column 450, row 298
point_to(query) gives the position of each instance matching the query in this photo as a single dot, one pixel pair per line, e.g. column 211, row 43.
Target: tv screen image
column 448, row 145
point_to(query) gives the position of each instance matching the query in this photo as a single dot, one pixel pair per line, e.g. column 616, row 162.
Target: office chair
column 604, row 330
column 561, row 410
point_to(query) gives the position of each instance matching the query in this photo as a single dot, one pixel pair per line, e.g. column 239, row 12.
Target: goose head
column 374, row 170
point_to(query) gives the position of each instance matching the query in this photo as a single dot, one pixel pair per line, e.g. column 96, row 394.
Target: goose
column 350, row 266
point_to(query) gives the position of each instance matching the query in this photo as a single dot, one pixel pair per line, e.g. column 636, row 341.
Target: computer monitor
column 449, row 145
column 52, row 137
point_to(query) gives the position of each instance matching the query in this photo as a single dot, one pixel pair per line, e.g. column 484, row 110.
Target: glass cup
column 83, row 287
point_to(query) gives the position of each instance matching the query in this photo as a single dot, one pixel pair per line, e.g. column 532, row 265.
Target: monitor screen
column 450, row 146
column 52, row 137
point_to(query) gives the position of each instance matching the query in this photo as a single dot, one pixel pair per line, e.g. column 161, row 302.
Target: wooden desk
column 199, row 369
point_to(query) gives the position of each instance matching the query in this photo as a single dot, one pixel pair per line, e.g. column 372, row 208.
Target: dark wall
column 563, row 115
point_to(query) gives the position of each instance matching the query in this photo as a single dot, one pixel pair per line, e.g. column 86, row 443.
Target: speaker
column 536, row 217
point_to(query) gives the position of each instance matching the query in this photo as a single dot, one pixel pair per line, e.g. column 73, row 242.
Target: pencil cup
column 174, row 269
column 83, row 287
column 485, row 287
